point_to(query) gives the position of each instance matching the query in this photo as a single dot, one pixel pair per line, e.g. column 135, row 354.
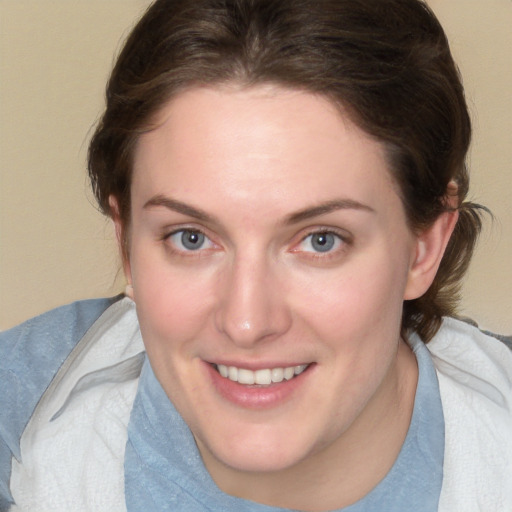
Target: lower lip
column 257, row 397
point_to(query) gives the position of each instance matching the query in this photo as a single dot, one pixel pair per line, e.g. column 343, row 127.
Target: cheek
column 171, row 303
column 361, row 297
column 356, row 315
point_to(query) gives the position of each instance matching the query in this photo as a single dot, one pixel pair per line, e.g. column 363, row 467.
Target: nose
column 252, row 306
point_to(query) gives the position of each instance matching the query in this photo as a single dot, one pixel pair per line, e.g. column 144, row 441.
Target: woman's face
column 269, row 257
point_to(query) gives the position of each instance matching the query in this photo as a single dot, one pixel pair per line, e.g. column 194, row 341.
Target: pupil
column 192, row 240
column 322, row 242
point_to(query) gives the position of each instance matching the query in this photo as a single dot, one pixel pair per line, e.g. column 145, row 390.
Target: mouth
column 261, row 388
column 262, row 377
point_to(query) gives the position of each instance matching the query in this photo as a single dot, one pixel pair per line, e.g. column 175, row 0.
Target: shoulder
column 477, row 365
column 65, row 322
column 466, row 354
column 30, row 355
column 35, row 349
column 32, row 352
column 475, row 381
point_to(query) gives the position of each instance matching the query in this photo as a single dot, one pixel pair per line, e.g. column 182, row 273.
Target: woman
column 287, row 182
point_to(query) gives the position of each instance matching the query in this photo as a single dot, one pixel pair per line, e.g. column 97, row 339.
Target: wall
column 55, row 56
column 481, row 39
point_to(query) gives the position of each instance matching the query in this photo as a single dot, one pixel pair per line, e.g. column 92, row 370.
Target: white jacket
column 475, row 378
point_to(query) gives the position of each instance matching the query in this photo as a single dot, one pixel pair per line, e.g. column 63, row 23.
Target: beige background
column 55, row 56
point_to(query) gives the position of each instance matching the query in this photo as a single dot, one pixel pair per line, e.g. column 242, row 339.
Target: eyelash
column 183, row 251
column 341, row 242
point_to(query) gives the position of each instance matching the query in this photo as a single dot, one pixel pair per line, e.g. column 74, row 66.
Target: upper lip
column 258, row 365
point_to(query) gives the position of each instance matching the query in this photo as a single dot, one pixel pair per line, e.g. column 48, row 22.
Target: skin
column 248, row 168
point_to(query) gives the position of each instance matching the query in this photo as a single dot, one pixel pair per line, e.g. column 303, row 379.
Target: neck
column 346, row 470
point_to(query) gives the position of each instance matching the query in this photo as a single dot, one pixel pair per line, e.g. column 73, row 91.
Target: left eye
column 190, row 240
column 320, row 242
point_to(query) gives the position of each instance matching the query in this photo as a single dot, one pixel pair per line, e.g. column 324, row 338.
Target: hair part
column 387, row 63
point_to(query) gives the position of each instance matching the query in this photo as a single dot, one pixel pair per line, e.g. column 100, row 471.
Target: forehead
column 255, row 143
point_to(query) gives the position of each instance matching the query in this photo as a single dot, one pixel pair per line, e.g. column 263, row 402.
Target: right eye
column 188, row 240
column 322, row 242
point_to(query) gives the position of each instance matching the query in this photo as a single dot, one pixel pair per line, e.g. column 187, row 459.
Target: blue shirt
column 164, row 470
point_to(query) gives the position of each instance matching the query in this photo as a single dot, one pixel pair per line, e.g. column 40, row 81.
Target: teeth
column 299, row 369
column 245, row 376
column 261, row 377
column 277, row 375
column 233, row 373
column 289, row 372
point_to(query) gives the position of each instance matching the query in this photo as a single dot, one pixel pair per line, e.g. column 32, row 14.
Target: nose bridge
column 252, row 306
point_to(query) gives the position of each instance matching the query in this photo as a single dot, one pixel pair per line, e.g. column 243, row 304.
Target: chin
column 265, row 451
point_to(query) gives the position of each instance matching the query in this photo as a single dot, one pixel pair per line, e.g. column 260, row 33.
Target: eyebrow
column 327, row 207
column 178, row 206
column 294, row 218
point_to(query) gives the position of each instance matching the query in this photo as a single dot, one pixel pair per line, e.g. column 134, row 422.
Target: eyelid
column 205, row 242
column 337, row 242
column 340, row 233
column 171, row 229
column 169, row 232
column 345, row 238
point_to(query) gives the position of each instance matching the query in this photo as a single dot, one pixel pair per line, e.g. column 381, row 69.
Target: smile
column 263, row 377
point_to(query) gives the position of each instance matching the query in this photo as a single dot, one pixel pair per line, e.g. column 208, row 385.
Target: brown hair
column 387, row 62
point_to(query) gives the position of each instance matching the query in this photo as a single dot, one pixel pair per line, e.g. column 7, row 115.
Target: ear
column 427, row 255
column 121, row 242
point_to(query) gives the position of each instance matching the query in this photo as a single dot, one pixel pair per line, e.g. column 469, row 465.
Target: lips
column 258, row 388
column 262, row 377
